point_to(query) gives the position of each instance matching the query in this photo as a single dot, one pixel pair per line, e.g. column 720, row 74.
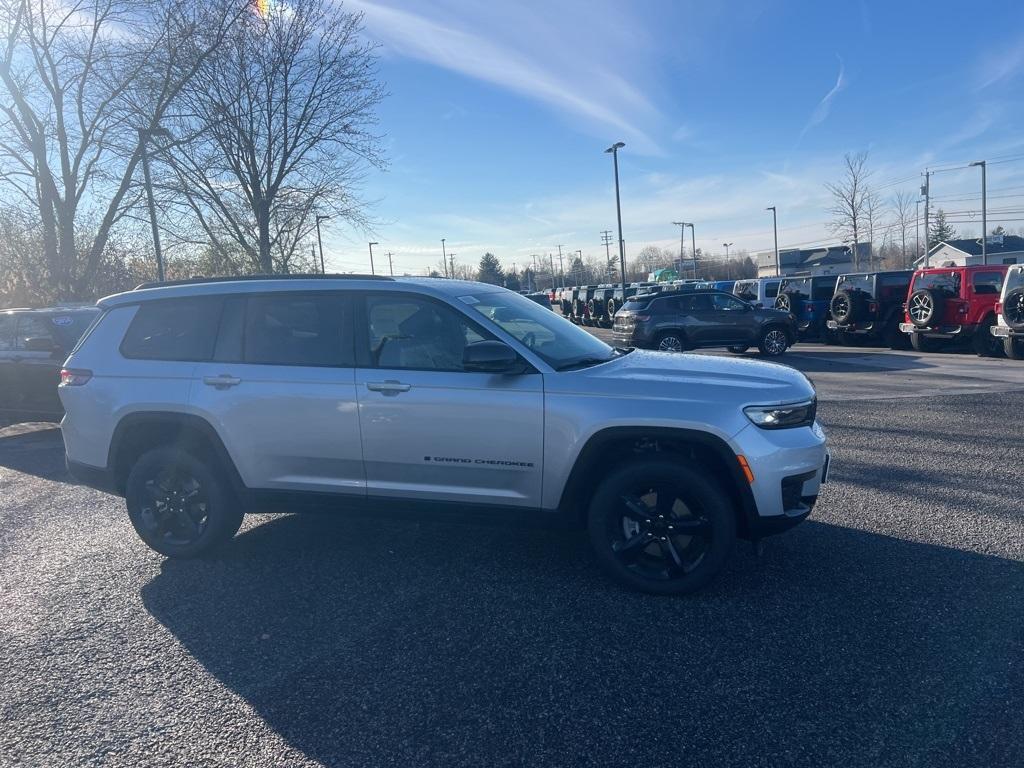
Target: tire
column 774, row 342
column 1014, row 348
column 612, row 309
column 1013, row 309
column 670, row 341
column 592, row 312
column 624, row 514
column 924, row 307
column 921, row 343
column 738, row 349
column 576, row 310
column 845, row 307
column 784, row 302
column 983, row 342
column 196, row 527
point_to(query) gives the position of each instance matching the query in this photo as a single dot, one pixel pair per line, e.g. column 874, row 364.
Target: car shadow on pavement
column 379, row 642
column 34, row 449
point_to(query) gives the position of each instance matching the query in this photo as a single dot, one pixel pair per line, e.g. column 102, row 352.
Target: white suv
column 203, row 400
column 1010, row 324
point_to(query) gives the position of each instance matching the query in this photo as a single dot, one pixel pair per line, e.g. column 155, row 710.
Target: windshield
column 553, row 338
column 855, row 283
column 945, row 282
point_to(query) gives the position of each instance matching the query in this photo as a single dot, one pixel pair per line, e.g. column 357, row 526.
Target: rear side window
column 823, row 289
column 6, row 333
column 174, row 329
column 294, row 329
column 771, row 290
column 632, row 305
column 990, row 283
column 32, row 327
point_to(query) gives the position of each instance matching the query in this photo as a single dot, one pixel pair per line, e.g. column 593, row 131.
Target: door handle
column 388, row 387
column 223, row 381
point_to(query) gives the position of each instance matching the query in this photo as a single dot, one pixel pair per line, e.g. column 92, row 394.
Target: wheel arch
column 142, row 431
column 613, row 445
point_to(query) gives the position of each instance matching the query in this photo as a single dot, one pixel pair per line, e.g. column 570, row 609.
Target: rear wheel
column 661, row 527
column 178, row 505
column 984, row 343
column 1014, row 348
column 922, row 343
column 670, row 341
column 774, row 342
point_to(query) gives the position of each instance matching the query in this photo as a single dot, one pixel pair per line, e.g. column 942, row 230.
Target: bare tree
column 850, row 198
column 276, row 129
column 76, row 81
column 904, row 220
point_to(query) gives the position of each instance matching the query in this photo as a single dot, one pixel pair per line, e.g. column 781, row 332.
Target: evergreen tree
column 512, row 282
column 940, row 231
column 490, row 270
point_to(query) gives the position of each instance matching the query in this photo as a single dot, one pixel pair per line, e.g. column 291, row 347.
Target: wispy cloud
column 1002, row 65
column 820, row 113
column 453, row 45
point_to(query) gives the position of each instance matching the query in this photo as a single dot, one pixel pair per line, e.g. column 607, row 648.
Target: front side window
column 988, row 283
column 412, row 332
column 173, row 329
column 294, row 329
column 695, row 302
column 771, row 290
column 553, row 338
column 31, row 327
column 725, row 303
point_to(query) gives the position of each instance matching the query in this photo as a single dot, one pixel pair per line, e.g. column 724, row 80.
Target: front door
column 432, row 430
column 733, row 318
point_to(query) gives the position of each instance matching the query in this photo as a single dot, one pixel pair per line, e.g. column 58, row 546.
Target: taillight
column 873, row 307
column 74, row 377
column 999, row 307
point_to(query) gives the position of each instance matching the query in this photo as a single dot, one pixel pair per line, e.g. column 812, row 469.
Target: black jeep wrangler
column 869, row 306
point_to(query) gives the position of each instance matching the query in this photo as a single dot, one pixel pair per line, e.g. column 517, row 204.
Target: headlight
column 783, row 416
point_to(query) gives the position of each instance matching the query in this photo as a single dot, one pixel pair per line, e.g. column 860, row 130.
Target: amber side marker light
column 746, row 468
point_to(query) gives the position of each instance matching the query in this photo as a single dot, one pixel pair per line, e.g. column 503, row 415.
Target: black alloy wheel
column 661, row 527
column 1013, row 309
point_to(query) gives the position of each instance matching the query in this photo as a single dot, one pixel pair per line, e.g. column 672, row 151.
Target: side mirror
column 489, row 357
column 40, row 344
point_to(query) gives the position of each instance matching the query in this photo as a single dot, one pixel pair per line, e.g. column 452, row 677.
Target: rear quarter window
column 988, row 283
column 174, row 329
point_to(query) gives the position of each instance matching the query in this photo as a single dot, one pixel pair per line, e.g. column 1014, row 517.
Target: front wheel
column 984, row 343
column 773, row 342
column 922, row 343
column 661, row 527
column 1014, row 348
column 178, row 505
column 670, row 342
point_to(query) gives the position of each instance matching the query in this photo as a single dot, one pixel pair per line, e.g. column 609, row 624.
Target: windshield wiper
column 584, row 362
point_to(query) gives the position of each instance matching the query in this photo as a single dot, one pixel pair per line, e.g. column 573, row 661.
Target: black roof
column 996, row 245
column 240, row 278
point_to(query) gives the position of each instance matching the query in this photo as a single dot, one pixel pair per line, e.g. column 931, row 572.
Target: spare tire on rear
column 924, row 307
column 846, row 307
column 1013, row 309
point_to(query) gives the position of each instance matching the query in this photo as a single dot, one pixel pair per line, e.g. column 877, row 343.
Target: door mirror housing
column 489, row 357
column 40, row 344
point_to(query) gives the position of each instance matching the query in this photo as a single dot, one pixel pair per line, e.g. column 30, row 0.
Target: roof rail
column 240, row 278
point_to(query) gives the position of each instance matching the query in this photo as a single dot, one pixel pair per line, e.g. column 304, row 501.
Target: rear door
column 433, row 431
column 9, row 397
column 698, row 318
column 280, row 389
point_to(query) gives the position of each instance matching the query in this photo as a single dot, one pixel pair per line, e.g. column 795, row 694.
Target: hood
column 645, row 374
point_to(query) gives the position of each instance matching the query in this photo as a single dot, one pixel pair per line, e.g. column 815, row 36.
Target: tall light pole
column 917, row 228
column 320, row 242
column 391, row 265
column 726, row 246
column 926, row 192
column 693, row 246
column 984, row 213
column 775, row 231
column 682, row 241
column 372, row 271
column 444, row 258
column 145, row 134
column 561, row 269
column 614, row 150
column 451, row 257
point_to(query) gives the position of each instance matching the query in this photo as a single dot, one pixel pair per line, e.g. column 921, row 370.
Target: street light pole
column 926, row 191
column 614, row 150
column 561, row 269
column 984, row 213
column 775, row 230
column 145, row 134
column 693, row 247
column 917, row 228
column 726, row 246
column 682, row 243
column 320, row 242
column 372, row 271
column 444, row 258
column 451, row 257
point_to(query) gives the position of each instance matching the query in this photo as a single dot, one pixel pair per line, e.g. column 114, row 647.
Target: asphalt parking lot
column 887, row 630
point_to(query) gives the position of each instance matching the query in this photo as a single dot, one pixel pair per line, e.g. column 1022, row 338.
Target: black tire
column 638, row 549
column 845, row 306
column 774, row 341
column 1014, row 348
column 983, row 342
column 576, row 310
column 1013, row 309
column 179, row 505
column 670, row 341
column 738, row 349
column 924, row 307
column 612, row 309
column 595, row 319
column 922, row 343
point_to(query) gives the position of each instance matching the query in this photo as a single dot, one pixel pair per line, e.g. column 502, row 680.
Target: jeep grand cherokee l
column 201, row 401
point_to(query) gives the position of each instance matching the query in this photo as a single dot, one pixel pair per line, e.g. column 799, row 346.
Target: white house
column 1002, row 249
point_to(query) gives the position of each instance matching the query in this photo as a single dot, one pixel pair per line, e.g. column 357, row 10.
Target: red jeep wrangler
column 949, row 303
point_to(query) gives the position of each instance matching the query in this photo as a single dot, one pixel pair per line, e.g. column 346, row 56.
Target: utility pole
column 444, row 258
column 926, row 191
column 775, row 230
column 579, row 255
column 372, row 272
column 614, row 149
column 984, row 213
column 693, row 247
column 451, row 256
column 391, row 266
column 682, row 243
column 560, row 269
column 320, row 242
column 606, row 240
column 552, row 260
column 917, row 228
column 145, row 134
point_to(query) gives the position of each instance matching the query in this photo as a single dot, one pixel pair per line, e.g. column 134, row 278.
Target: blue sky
column 499, row 113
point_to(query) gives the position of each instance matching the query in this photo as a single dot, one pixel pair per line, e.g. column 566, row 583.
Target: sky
column 499, row 113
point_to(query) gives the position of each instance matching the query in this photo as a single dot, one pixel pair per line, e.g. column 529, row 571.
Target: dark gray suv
column 680, row 320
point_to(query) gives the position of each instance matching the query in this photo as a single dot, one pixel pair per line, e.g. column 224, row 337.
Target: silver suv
column 1010, row 325
column 204, row 400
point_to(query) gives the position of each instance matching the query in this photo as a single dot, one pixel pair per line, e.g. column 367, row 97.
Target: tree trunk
column 263, row 224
